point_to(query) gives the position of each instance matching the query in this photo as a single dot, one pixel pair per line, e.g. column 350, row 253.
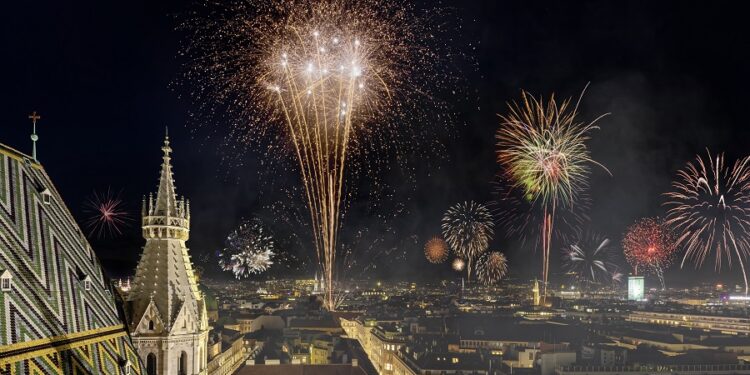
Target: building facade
column 724, row 324
column 168, row 319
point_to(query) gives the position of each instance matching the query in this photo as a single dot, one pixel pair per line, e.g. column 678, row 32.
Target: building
column 656, row 369
column 168, row 319
column 58, row 311
column 417, row 362
column 636, row 287
column 318, row 286
column 226, row 352
column 724, row 324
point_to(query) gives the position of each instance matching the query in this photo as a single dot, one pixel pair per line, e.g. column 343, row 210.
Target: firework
column 709, row 209
column 317, row 76
column 436, row 250
column 107, row 215
column 616, row 277
column 468, row 228
column 523, row 219
column 458, row 264
column 648, row 245
column 248, row 250
column 491, row 267
column 541, row 147
column 590, row 258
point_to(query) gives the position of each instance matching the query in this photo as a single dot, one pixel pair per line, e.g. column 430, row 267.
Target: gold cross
column 34, row 117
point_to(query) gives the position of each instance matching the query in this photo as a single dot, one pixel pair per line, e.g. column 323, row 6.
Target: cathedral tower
column 168, row 320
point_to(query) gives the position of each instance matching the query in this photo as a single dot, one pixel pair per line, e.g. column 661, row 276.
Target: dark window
column 151, row 364
column 182, row 365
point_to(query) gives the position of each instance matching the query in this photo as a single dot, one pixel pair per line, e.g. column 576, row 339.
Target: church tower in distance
column 167, row 312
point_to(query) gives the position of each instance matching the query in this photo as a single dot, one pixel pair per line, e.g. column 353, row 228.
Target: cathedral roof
column 48, row 305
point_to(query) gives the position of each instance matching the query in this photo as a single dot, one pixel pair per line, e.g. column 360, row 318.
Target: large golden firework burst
column 323, row 80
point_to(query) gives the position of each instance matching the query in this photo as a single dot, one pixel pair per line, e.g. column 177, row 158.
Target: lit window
column 454, row 360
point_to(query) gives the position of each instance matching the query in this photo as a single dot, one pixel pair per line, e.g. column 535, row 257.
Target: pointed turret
column 164, row 302
column 166, row 216
column 166, row 197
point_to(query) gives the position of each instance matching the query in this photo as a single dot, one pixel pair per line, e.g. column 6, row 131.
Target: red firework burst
column 649, row 245
column 106, row 214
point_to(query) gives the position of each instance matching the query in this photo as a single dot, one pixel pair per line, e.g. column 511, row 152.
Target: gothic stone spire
column 166, row 197
column 165, row 277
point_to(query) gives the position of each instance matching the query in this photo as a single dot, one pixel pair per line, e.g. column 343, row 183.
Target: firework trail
column 327, row 79
column 468, row 228
column 590, row 257
column 362, row 250
column 524, row 219
column 436, row 250
column 491, row 267
column 709, row 209
column 106, row 214
column 541, row 148
column 458, row 264
column 248, row 250
column 648, row 244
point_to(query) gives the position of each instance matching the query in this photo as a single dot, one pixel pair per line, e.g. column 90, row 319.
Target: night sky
column 673, row 75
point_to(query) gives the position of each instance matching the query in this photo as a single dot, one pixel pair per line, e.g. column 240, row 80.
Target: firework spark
column 248, row 250
column 436, row 250
column 541, row 147
column 648, row 245
column 491, row 267
column 458, row 264
column 316, row 76
column 468, row 228
column 709, row 208
column 590, row 258
column 107, row 215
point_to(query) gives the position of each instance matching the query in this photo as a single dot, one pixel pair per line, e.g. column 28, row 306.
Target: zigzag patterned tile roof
column 50, row 321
